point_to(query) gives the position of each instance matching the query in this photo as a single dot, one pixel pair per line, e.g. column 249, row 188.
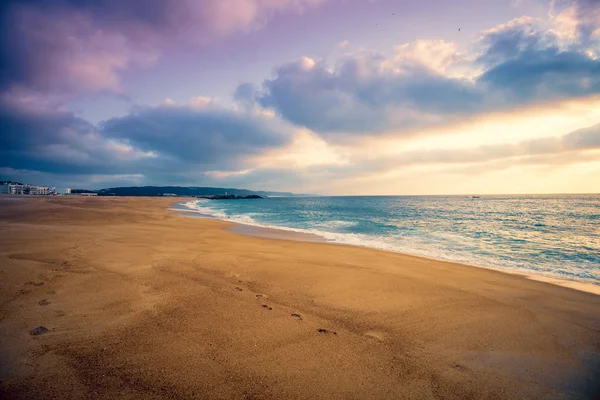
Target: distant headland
column 213, row 193
column 230, row 197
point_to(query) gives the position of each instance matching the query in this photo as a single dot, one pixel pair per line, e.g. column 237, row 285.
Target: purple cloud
column 364, row 93
column 82, row 46
column 583, row 16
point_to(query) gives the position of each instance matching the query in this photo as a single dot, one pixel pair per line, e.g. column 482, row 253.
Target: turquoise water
column 556, row 236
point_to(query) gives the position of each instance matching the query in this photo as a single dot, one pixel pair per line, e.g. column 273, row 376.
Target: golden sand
column 116, row 298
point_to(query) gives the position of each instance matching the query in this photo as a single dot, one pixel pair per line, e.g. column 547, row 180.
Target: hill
column 192, row 191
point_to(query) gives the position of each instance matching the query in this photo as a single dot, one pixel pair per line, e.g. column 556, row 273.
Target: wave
column 444, row 251
column 336, row 224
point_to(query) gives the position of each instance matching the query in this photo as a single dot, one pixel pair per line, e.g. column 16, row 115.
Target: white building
column 11, row 188
column 14, row 189
column 37, row 190
column 68, row 191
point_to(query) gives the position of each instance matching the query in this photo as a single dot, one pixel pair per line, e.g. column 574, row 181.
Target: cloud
column 583, row 138
column 49, row 139
column 528, row 65
column 245, row 95
column 292, row 130
column 81, row 46
column 51, row 47
column 577, row 19
column 159, row 143
column 430, row 83
column 364, row 94
column 205, row 135
column 578, row 146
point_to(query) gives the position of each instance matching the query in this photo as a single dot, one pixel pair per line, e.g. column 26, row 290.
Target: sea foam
column 514, row 234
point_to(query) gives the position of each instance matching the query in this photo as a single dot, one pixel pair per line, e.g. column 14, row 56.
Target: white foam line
column 361, row 240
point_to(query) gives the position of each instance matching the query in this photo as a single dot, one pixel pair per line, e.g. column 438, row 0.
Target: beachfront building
column 14, row 188
column 37, row 190
column 11, row 188
column 79, row 192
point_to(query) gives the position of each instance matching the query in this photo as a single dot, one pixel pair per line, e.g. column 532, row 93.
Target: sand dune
column 117, row 298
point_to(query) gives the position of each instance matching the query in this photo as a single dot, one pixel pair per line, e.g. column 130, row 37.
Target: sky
column 336, row 97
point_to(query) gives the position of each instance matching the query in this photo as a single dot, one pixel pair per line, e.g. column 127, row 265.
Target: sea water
column 556, row 236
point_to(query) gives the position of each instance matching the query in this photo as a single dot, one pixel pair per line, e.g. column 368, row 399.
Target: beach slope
column 116, row 298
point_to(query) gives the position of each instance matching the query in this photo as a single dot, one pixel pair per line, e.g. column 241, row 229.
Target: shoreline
column 284, row 234
column 113, row 297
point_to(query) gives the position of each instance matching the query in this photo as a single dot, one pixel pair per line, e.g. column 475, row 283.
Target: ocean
column 557, row 236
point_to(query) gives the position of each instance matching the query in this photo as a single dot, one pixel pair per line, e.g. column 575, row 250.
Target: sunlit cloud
column 306, row 149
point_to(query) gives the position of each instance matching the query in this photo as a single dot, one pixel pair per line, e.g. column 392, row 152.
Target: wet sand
column 117, row 298
column 277, row 234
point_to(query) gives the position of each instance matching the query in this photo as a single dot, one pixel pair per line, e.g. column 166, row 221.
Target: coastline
column 283, row 234
column 135, row 303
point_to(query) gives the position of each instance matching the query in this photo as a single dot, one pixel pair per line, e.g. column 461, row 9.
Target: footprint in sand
column 239, row 289
column 460, row 367
column 297, row 316
column 43, row 302
column 35, row 283
column 261, row 296
column 40, row 330
column 266, row 307
column 321, row 330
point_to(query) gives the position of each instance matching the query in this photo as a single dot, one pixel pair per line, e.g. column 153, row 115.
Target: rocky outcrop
column 230, row 197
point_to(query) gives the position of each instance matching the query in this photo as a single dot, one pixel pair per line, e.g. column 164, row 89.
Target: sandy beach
column 118, row 298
